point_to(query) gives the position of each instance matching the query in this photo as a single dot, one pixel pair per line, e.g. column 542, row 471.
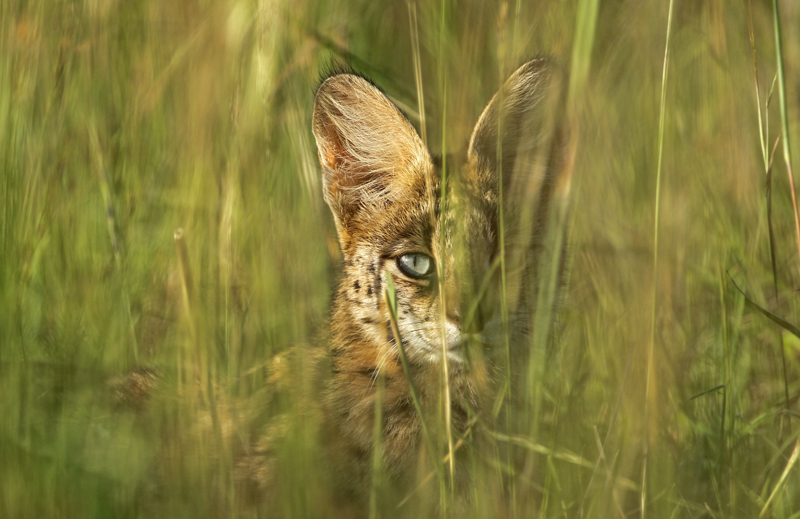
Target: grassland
column 666, row 393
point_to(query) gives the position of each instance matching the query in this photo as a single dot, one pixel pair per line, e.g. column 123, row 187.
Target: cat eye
column 415, row 265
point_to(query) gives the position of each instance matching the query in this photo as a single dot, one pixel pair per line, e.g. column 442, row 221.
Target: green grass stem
column 649, row 379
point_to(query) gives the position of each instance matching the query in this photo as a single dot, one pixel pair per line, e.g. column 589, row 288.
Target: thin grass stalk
column 443, row 317
column 774, row 265
column 431, row 474
column 725, row 447
column 227, row 257
column 787, row 153
column 390, row 297
column 651, row 346
column 440, row 267
column 184, row 268
column 770, row 227
column 763, row 136
column 227, row 267
column 550, row 263
column 377, row 448
column 8, row 150
column 584, row 41
column 506, row 393
column 187, row 293
column 113, row 234
column 784, row 476
column 783, row 323
column 501, row 257
column 202, row 364
column 615, row 413
column 585, row 27
column 500, row 210
column 414, row 28
column 515, row 48
column 550, row 268
column 763, row 127
column 768, row 159
column 105, row 189
column 787, row 157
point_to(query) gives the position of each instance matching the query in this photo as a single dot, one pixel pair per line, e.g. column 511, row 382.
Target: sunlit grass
column 122, row 122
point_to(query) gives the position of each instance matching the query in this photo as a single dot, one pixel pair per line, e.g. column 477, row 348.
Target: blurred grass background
column 121, row 122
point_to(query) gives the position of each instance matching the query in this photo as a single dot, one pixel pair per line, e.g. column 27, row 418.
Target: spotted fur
column 384, row 190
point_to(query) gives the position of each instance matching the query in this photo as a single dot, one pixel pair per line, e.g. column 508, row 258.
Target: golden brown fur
column 383, row 188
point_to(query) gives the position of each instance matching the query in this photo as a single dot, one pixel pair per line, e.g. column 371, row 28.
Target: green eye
column 415, row 265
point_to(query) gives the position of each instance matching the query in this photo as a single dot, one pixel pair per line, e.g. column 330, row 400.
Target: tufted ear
column 369, row 152
column 520, row 132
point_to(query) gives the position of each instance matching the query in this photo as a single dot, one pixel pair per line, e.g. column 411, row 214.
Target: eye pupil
column 415, row 265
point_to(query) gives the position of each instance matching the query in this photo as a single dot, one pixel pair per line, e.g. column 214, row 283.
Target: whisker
column 381, row 362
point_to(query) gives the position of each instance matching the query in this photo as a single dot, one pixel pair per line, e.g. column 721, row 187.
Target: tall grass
column 122, row 122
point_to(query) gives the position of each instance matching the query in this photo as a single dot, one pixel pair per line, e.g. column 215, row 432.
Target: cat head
column 385, row 189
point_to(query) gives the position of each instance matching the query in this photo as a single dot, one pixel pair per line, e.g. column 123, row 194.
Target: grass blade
column 783, row 323
column 649, row 381
column 787, row 154
column 789, row 466
column 390, row 296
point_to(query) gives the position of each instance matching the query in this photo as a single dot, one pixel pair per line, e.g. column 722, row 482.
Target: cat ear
column 521, row 131
column 369, row 152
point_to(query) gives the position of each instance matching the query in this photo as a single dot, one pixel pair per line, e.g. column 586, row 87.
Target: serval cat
column 384, row 189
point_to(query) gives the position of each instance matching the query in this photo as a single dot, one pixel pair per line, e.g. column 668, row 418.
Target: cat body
column 384, row 190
